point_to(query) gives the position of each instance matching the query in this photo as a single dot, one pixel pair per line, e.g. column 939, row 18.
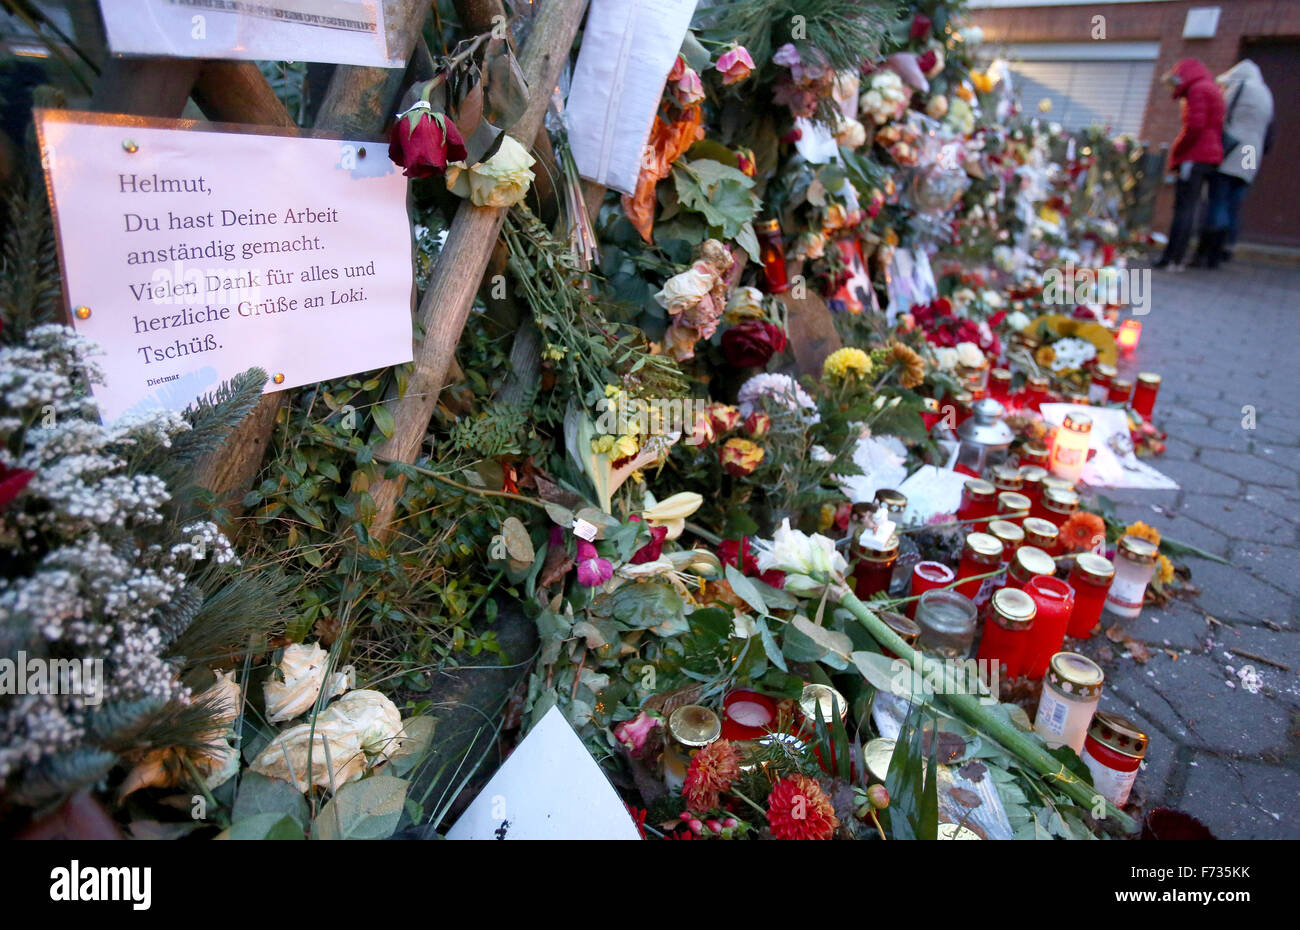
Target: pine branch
column 248, row 607
column 29, row 267
column 214, row 416
column 63, row 775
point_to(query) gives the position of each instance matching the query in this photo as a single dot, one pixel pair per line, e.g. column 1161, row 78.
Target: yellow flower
column 501, row 181
column 1141, row 530
column 843, row 362
column 603, row 444
column 613, row 390
column 626, row 447
column 1045, row 356
column 982, row 81
column 672, row 511
column 1164, row 570
column 553, row 353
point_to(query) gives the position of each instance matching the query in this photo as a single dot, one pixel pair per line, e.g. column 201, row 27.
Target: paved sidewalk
column 1227, row 344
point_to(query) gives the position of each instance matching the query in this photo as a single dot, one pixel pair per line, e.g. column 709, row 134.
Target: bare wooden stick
column 455, row 278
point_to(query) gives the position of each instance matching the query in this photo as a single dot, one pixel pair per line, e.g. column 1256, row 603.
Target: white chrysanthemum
column 779, row 389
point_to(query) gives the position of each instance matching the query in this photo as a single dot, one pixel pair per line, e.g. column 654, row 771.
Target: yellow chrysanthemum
column 1140, row 529
column 1164, row 570
column 843, row 362
column 626, row 446
column 1045, row 356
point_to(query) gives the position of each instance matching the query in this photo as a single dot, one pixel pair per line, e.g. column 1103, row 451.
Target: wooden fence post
column 456, row 276
column 356, row 104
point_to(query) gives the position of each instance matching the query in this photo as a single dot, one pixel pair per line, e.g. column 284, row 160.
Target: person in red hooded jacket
column 1195, row 154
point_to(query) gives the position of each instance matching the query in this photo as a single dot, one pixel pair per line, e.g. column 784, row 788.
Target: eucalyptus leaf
column 745, row 590
column 363, row 810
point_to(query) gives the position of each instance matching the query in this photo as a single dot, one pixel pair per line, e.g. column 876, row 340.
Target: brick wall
column 1147, row 22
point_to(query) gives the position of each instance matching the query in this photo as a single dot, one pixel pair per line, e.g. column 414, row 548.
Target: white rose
column 969, row 355
column 745, row 303
column 945, row 358
column 992, row 298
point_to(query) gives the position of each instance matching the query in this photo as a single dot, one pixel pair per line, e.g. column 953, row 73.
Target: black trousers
column 1187, row 197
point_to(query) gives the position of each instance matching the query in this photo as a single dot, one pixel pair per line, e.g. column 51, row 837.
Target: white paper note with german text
column 191, row 256
column 345, row 32
column 627, row 51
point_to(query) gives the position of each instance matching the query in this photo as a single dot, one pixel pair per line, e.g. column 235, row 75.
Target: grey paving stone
column 1230, row 593
column 1257, row 468
column 1180, row 525
column 1258, row 641
column 1277, row 563
column 1245, row 519
column 1197, row 479
column 1243, row 800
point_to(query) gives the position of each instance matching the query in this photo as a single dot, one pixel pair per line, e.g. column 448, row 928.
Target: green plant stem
column 949, row 586
column 429, row 473
column 711, row 538
column 742, row 797
column 1018, row 515
column 1016, row 742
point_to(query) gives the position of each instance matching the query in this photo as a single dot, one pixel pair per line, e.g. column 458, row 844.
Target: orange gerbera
column 1082, row 532
column 712, row 771
column 1140, row 529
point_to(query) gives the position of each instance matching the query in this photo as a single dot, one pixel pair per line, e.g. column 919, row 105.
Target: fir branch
column 65, row 774
column 245, row 610
column 214, row 416
column 29, row 267
column 845, row 31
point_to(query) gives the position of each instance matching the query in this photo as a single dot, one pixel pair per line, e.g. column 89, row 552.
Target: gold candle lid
column 1007, row 533
column 1013, row 502
column 1105, row 371
column 979, row 489
column 1037, row 381
column 694, row 725
column 888, row 553
column 1122, row 384
column 1059, row 500
column 1000, row 374
column 1095, row 568
column 1118, row 733
column 816, row 696
column 1075, row 675
column 1138, row 549
column 1014, row 609
column 1034, row 450
column 1030, row 561
column 907, row 630
column 894, row 501
column 1149, row 378
column 983, row 546
column 1006, row 477
column 1051, row 481
column 767, row 226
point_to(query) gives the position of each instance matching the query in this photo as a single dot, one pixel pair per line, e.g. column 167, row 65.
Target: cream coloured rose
column 683, row 291
column 850, row 133
column 945, row 358
column 745, row 303
column 501, row 181
column 334, row 739
column 375, row 718
column 302, row 673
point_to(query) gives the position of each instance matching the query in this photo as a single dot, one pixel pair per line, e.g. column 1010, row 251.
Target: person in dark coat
column 1247, row 137
column 1195, row 154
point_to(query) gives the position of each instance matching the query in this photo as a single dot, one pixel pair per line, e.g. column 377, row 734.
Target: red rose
column 12, row 482
column 920, row 27
column 423, row 143
column 926, row 61
column 751, row 343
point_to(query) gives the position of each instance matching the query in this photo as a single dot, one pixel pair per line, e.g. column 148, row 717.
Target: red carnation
column 424, row 142
column 926, row 61
column 920, row 27
column 751, row 343
column 798, row 809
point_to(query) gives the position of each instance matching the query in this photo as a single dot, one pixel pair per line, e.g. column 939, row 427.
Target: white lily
column 809, row 561
column 672, row 511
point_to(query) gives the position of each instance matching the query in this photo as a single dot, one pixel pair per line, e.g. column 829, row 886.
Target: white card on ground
column 201, row 254
column 550, row 788
column 932, row 491
column 346, row 32
column 627, row 51
column 1107, row 469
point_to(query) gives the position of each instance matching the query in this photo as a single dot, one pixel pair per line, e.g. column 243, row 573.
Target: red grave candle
column 979, row 500
column 1090, row 577
column 1055, row 601
column 747, row 715
column 1008, row 631
column 981, row 554
column 927, row 576
column 771, row 250
column 1144, row 393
